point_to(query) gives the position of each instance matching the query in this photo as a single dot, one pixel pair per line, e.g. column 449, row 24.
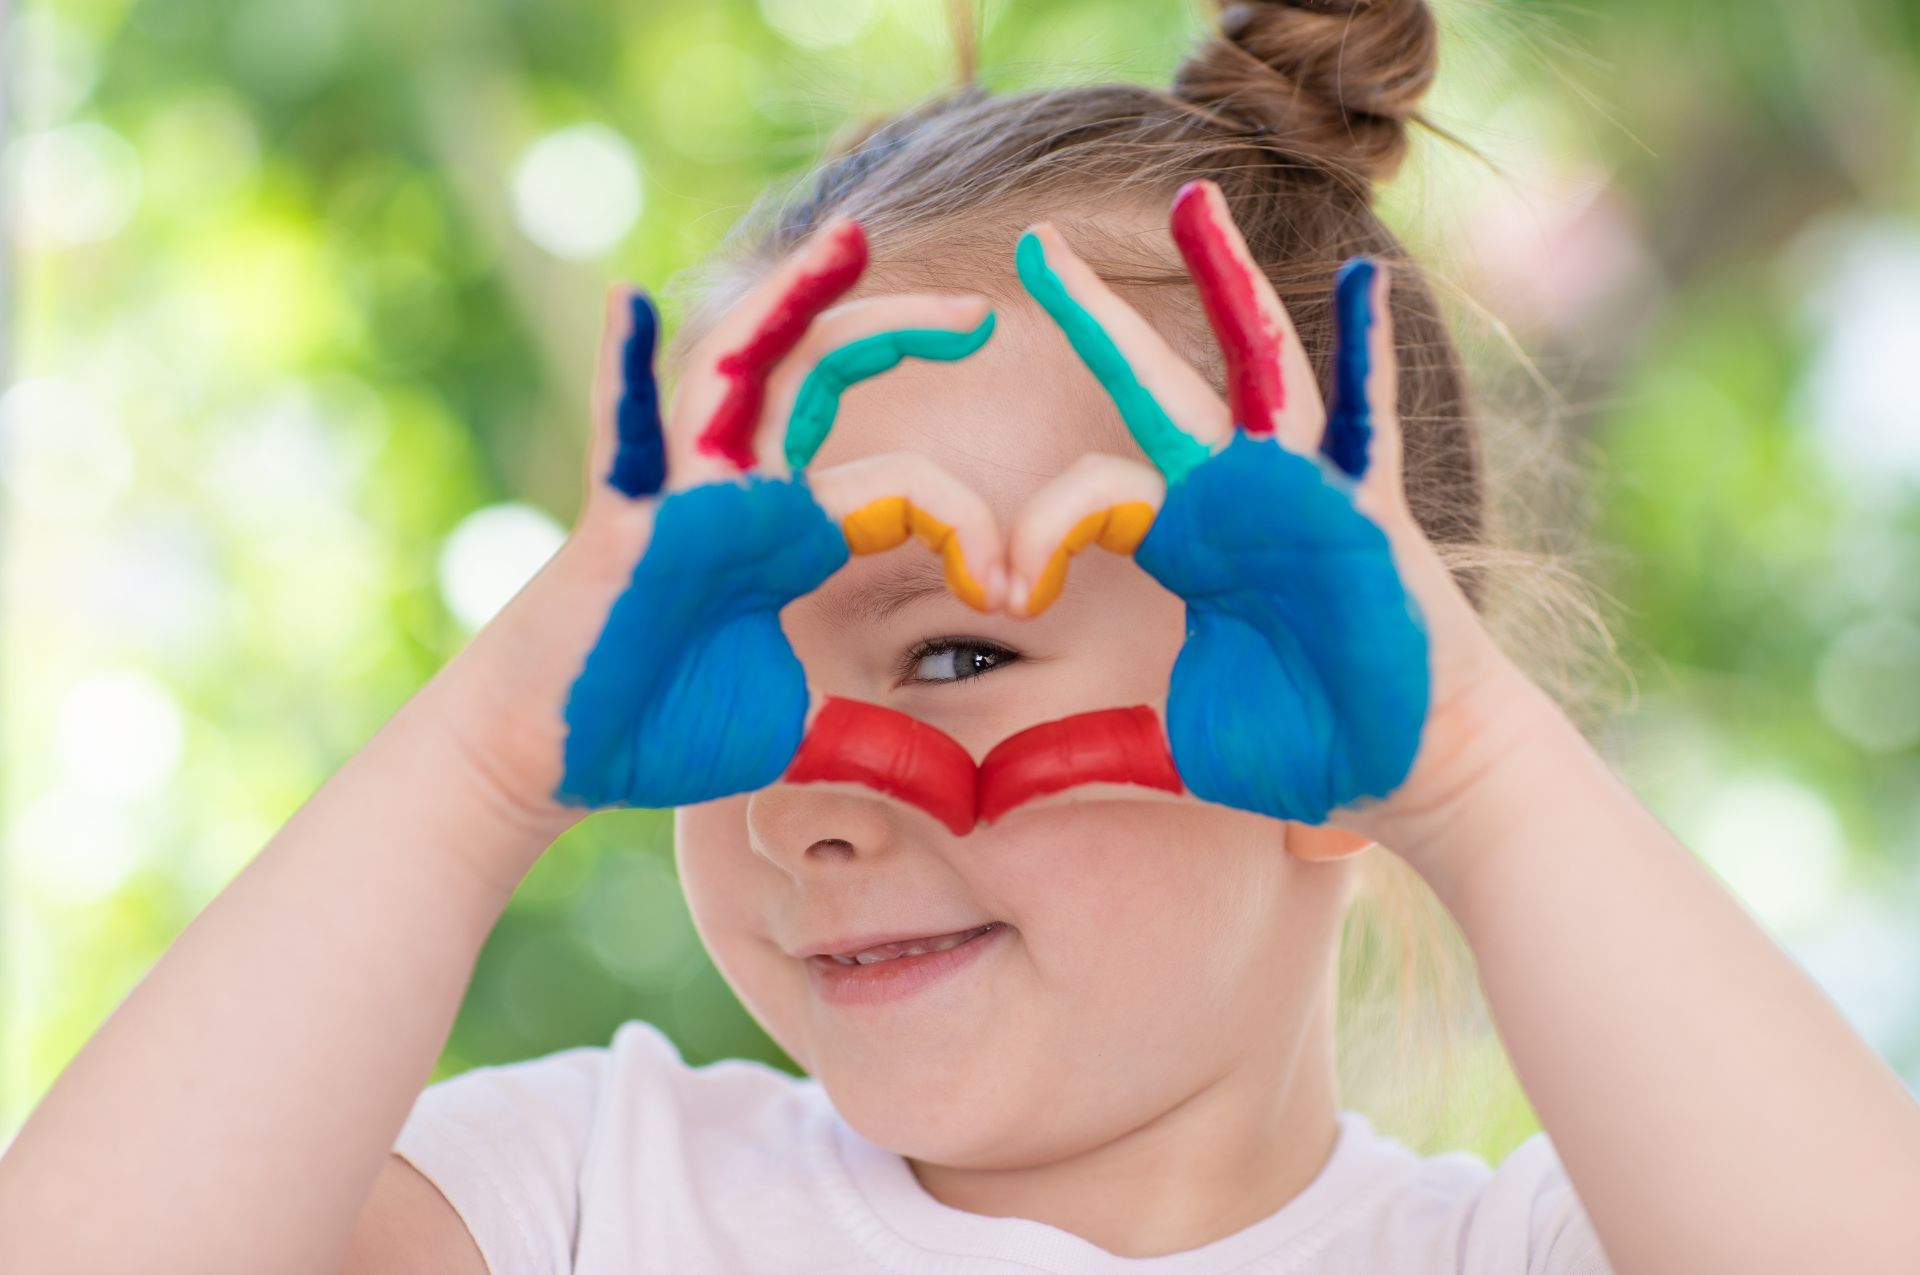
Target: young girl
column 1035, row 863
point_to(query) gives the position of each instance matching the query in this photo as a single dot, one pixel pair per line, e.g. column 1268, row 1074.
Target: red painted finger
column 1263, row 356
column 823, row 272
column 892, row 753
column 1112, row 745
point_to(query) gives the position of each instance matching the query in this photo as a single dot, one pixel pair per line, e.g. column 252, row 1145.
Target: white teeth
column 918, row 947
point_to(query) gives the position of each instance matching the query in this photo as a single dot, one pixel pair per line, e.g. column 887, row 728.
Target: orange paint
column 1117, row 529
column 887, row 522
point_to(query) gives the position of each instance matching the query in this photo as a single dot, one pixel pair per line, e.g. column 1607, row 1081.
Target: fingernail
column 1017, row 595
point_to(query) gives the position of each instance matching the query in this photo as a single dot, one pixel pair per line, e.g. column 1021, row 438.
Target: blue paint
column 692, row 691
column 1350, row 421
column 1303, row 684
column 1172, row 450
column 818, row 401
column 640, row 459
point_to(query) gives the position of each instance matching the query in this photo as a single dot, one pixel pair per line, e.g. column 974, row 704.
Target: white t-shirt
column 622, row 1159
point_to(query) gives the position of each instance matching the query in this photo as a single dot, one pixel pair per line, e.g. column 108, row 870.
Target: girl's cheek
column 715, row 860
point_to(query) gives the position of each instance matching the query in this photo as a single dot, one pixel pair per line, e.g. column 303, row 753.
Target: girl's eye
column 953, row 660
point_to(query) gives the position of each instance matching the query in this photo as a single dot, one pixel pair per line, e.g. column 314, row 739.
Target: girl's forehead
column 1005, row 419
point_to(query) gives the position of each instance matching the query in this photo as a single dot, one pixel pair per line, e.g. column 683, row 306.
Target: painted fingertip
column 817, row 403
column 1030, row 257
column 976, row 336
column 640, row 455
column 1350, row 418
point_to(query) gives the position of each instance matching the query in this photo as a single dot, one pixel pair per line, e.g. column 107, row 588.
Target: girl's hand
column 1333, row 670
column 645, row 664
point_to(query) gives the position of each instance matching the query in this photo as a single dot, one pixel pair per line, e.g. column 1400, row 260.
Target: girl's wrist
column 1503, row 751
column 488, row 838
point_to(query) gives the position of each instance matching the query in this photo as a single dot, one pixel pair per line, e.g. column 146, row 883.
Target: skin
column 1178, row 935
column 1714, row 1112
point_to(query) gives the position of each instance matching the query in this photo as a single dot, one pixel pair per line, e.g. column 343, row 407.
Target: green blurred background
column 304, row 302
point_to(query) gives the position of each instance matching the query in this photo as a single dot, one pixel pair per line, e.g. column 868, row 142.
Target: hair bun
column 1332, row 81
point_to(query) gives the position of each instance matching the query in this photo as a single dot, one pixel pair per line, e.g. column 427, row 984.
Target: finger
column 1167, row 405
column 850, row 742
column 639, row 463
column 879, row 501
column 1125, row 746
column 612, row 371
column 860, row 340
column 1106, row 500
column 724, row 391
column 1349, row 420
column 1262, row 352
column 1363, row 304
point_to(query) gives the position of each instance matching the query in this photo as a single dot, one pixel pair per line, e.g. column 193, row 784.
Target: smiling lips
column 904, row 757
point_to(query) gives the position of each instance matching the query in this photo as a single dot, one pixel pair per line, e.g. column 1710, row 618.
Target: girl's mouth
column 894, row 970
column 916, row 947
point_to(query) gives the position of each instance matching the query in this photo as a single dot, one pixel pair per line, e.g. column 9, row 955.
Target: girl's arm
column 232, row 1113
column 1712, row 1108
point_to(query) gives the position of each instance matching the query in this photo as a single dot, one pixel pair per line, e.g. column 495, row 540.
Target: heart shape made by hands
column 1303, row 683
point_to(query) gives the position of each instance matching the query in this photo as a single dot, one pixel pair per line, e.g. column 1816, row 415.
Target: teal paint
column 1172, row 450
column 818, row 401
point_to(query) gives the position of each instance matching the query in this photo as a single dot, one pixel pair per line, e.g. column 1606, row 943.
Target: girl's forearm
column 1713, row 1109
column 231, row 1114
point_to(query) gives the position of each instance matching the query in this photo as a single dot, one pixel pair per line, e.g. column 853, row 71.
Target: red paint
column 1112, row 745
column 1249, row 336
column 899, row 755
column 902, row 756
column 729, row 433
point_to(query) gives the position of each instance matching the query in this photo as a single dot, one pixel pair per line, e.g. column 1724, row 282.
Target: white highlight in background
column 1863, row 299
column 577, row 191
column 490, row 555
column 119, row 734
column 66, row 455
column 72, row 185
column 1778, row 845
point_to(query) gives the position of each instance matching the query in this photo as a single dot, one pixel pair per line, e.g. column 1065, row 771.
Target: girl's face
column 1153, row 948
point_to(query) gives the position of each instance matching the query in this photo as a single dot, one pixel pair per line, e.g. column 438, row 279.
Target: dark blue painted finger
column 640, row 459
column 1350, row 419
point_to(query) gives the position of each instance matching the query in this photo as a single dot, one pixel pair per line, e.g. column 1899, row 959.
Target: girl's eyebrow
column 884, row 593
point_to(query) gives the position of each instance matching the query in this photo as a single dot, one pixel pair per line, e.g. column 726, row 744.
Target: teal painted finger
column 818, row 401
column 1172, row 450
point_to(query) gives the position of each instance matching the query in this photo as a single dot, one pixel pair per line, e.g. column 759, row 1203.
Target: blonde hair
column 1296, row 108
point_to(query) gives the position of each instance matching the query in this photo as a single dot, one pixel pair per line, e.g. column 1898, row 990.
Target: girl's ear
column 1322, row 843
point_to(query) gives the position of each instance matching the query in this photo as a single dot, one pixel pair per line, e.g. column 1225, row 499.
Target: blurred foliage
column 306, row 297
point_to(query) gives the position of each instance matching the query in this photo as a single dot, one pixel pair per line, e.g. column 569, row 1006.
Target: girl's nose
column 811, row 828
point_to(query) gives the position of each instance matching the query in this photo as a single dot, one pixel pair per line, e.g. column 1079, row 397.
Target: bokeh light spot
column 577, row 191
column 66, row 452
column 1778, row 844
column 490, row 555
column 119, row 733
column 75, row 184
